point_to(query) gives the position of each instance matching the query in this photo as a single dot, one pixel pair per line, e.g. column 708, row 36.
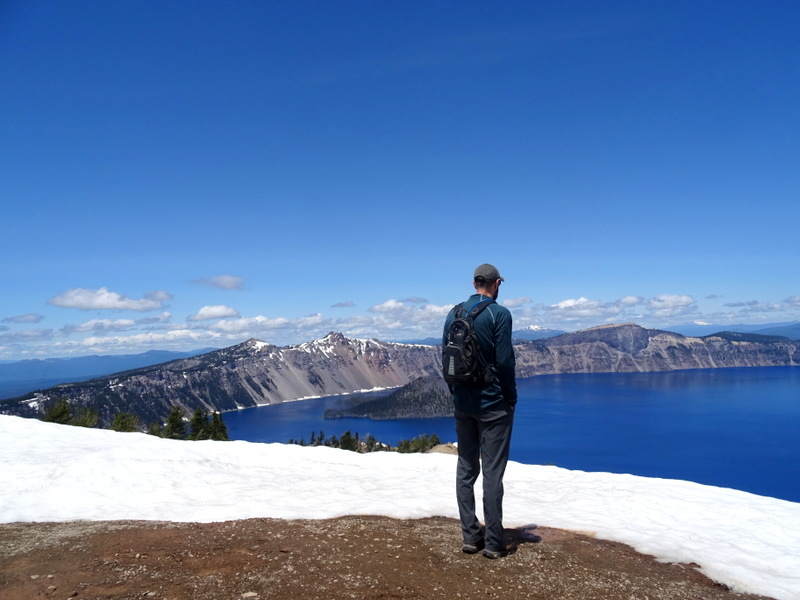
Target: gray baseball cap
column 487, row 272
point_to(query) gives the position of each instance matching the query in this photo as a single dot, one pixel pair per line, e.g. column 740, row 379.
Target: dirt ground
column 348, row 557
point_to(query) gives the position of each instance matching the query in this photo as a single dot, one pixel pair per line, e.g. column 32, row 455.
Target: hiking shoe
column 472, row 548
column 493, row 554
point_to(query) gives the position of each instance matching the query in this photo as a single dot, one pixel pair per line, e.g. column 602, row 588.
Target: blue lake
column 736, row 428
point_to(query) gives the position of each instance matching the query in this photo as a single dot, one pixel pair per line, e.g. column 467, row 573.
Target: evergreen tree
column 125, row 422
column 424, row 442
column 348, row 442
column 85, row 417
column 199, row 429
column 421, row 443
column 219, row 430
column 175, row 428
column 155, row 429
column 59, row 412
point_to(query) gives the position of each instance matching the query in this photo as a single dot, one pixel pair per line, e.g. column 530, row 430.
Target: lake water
column 736, row 428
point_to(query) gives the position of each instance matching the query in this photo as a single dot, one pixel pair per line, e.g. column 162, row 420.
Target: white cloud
column 164, row 317
column 217, row 311
column 582, row 312
column 223, row 282
column 390, row 306
column 28, row 318
column 348, row 304
column 748, row 304
column 311, row 321
column 100, row 325
column 433, row 311
column 571, row 303
column 515, row 302
column 104, row 299
column 396, row 320
column 583, row 308
column 407, row 319
column 26, row 335
column 758, row 308
column 631, row 300
column 142, row 341
column 250, row 326
column 671, row 305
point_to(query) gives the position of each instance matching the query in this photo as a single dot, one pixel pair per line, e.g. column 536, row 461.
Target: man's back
column 484, row 417
column 493, row 330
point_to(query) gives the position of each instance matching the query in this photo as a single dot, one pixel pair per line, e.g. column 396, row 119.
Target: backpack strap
column 473, row 314
column 460, row 312
column 479, row 307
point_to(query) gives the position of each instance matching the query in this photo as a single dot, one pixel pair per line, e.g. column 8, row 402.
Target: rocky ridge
column 256, row 373
column 631, row 348
column 250, row 374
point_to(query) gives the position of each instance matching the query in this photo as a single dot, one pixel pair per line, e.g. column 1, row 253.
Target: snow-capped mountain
column 249, row 374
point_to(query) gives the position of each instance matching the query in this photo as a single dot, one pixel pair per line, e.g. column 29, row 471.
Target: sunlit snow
column 59, row 473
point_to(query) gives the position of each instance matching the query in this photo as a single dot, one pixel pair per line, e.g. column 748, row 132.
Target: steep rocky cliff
column 629, row 348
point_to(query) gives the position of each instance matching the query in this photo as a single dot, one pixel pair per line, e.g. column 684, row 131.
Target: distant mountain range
column 532, row 332
column 612, row 348
column 256, row 373
column 790, row 330
column 18, row 377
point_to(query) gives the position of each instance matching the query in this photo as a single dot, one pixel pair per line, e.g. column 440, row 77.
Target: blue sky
column 177, row 175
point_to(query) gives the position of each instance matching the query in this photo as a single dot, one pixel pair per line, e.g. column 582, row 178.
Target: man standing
column 484, row 414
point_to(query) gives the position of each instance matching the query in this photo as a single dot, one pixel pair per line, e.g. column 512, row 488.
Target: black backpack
column 461, row 361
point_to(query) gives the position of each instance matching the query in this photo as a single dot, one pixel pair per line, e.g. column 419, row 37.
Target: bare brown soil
column 350, row 557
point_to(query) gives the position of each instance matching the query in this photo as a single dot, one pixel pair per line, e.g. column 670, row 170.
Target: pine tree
column 219, row 431
column 348, row 442
column 125, row 422
column 59, row 412
column 199, row 428
column 85, row 417
column 175, row 428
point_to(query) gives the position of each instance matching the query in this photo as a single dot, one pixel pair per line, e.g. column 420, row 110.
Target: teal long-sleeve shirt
column 493, row 329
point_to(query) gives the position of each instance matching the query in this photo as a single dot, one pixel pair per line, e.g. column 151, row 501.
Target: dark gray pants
column 485, row 436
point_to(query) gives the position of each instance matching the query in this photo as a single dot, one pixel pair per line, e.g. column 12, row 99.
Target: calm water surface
column 736, row 428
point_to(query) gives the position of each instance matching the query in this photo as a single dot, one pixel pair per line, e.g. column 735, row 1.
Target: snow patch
column 60, row 473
